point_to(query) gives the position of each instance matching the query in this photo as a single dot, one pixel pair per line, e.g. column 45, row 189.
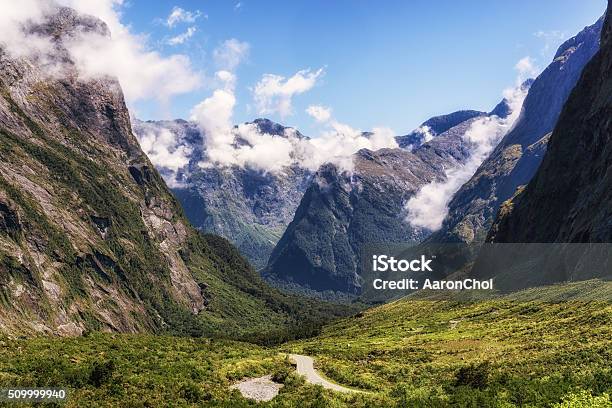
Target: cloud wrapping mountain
column 517, row 157
column 96, row 53
column 246, row 145
column 428, row 208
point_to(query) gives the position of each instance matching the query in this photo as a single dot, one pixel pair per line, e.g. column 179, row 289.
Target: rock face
column 249, row 207
column 342, row 211
column 517, row 157
column 90, row 236
column 568, row 200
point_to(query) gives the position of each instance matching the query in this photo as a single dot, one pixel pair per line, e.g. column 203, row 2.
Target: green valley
column 547, row 346
column 212, row 263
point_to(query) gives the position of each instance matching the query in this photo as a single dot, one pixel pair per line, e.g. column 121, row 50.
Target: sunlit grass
column 508, row 351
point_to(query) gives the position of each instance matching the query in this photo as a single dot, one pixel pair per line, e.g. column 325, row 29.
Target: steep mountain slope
column 341, row 211
column 90, row 236
column 249, row 207
column 569, row 198
column 517, row 157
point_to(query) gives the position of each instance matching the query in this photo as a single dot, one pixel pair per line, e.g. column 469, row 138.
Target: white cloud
column 551, row 38
column 246, row 146
column 320, row 113
column 142, row 72
column 554, row 34
column 262, row 151
column 161, row 147
column 381, row 138
column 526, row 68
column 181, row 38
column 274, row 93
column 179, row 15
column 428, row 208
column 214, row 116
column 426, row 132
column 237, row 6
column 231, row 53
column 265, row 152
column 273, row 153
column 13, row 38
column 167, row 146
column 338, row 144
column 228, row 79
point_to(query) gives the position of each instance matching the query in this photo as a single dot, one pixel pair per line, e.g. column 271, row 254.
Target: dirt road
column 305, row 367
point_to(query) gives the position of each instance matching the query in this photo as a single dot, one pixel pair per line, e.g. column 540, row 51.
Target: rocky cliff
column 435, row 126
column 90, row 236
column 517, row 157
column 568, row 200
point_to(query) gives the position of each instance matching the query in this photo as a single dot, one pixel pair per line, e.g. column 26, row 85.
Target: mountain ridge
column 566, row 201
column 248, row 206
column 516, row 158
column 340, row 211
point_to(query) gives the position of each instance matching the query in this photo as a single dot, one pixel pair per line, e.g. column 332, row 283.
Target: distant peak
column 66, row 22
column 270, row 127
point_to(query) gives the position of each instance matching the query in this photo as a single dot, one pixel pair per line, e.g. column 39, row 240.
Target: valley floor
column 546, row 347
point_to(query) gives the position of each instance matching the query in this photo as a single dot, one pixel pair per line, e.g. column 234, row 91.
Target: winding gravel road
column 305, row 367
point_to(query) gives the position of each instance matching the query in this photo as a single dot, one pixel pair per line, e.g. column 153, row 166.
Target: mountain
column 341, row 211
column 90, row 236
column 249, row 207
column 568, row 199
column 436, row 126
column 517, row 157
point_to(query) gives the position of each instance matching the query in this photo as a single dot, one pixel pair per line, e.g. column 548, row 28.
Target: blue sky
column 392, row 63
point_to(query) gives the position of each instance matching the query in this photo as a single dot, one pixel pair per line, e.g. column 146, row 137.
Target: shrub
column 191, row 392
column 584, row 399
column 281, row 374
column 474, row 375
column 101, row 372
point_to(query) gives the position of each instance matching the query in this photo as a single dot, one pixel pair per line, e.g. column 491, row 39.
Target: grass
column 517, row 350
column 546, row 347
column 107, row 370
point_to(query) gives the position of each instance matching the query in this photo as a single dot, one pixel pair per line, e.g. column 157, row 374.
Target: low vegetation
column 535, row 348
column 546, row 347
